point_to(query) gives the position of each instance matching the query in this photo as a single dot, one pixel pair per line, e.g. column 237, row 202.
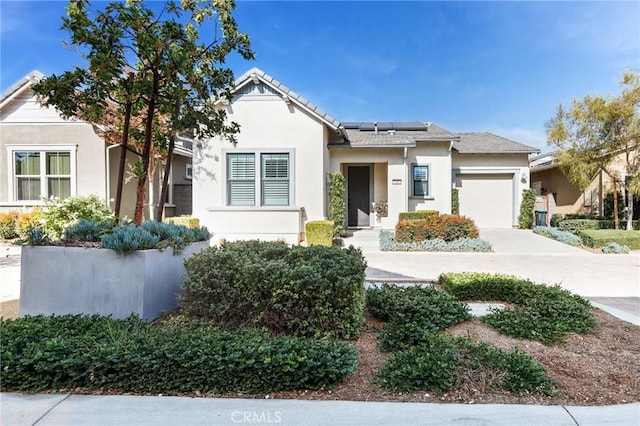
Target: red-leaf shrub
column 444, row 227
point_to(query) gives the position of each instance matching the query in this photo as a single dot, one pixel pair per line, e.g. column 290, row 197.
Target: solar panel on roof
column 409, row 125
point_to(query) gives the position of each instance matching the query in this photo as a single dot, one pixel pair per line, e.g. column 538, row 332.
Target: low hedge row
column 543, row 313
column 577, row 225
column 68, row 352
column 388, row 243
column 444, row 227
column 442, row 362
column 601, row 237
column 304, row 291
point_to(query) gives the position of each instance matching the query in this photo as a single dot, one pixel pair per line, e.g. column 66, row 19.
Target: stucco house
column 45, row 155
column 274, row 179
column 566, row 198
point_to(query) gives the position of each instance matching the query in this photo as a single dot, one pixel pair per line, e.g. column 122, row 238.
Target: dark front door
column 358, row 202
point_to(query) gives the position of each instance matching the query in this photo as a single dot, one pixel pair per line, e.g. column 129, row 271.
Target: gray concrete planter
column 73, row 280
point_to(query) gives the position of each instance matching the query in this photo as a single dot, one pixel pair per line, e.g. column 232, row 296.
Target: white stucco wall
column 438, row 157
column 267, row 124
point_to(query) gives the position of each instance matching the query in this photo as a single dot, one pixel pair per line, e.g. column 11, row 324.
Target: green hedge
column 578, row 225
column 319, row 233
column 70, row 352
column 455, row 201
column 417, row 215
column 544, row 313
column 601, row 237
column 444, row 227
column 442, row 361
column 525, row 219
column 304, row 291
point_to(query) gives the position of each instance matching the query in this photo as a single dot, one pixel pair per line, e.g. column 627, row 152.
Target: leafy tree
column 595, row 133
column 163, row 68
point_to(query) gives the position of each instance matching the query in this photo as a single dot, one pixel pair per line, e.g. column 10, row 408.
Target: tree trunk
column 123, row 159
column 629, row 210
column 138, row 215
column 165, row 179
column 616, row 219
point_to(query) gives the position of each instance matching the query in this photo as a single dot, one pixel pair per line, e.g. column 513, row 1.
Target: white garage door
column 487, row 199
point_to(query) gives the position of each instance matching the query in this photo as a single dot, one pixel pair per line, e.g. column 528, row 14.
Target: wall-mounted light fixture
column 523, row 178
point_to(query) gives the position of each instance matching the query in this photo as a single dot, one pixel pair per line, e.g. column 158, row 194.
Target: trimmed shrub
column 304, row 291
column 615, row 248
column 525, row 219
column 68, row 352
column 337, row 204
column 575, row 226
column 188, row 221
column 556, row 218
column 455, row 201
column 558, row 235
column 441, row 362
column 444, row 227
column 417, row 215
column 8, row 225
column 427, row 307
column 601, row 237
column 543, row 313
column 319, row 233
column 607, row 205
column 387, row 243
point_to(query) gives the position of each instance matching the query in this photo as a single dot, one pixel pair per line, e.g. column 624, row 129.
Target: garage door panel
column 487, row 199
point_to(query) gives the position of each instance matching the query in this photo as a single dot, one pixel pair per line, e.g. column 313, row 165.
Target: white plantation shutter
column 241, row 173
column 275, row 179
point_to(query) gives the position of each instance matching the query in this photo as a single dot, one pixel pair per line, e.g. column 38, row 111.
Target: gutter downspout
column 406, row 184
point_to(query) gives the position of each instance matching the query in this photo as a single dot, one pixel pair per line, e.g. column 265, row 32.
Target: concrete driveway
column 524, row 241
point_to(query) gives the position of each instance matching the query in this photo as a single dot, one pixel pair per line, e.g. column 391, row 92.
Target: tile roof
column 290, row 93
column 489, row 143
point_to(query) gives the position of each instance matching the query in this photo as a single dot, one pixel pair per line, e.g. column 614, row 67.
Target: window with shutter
column 275, row 179
column 241, row 173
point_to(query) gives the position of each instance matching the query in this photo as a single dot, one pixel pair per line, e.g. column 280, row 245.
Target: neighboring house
column 274, row 179
column 566, row 198
column 43, row 155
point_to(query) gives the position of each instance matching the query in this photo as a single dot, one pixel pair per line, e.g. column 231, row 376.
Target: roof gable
column 255, row 75
column 19, row 87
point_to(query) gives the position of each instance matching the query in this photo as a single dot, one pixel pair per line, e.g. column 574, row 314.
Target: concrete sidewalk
column 74, row 410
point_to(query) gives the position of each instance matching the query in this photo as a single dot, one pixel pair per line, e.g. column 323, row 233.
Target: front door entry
column 358, row 201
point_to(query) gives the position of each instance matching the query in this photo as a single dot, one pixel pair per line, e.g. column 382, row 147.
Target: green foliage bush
column 87, row 230
column 575, row 226
column 601, row 237
column 441, row 362
column 607, row 205
column 60, row 214
column 525, row 219
column 417, row 215
column 319, row 233
column 69, row 352
column 558, row 235
column 556, row 218
column 305, row 291
column 387, row 243
column 445, row 227
column 426, row 307
column 8, row 225
column 455, row 201
column 337, row 204
column 544, row 313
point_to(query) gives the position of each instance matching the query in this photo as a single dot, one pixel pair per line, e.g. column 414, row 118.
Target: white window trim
column 429, row 195
column 258, row 177
column 12, row 149
column 169, row 201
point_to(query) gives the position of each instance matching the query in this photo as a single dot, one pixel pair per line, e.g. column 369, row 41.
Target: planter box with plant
column 116, row 271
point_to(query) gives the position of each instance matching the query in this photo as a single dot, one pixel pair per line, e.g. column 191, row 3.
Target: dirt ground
column 602, row 368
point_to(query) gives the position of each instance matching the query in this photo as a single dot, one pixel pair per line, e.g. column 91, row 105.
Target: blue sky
column 501, row 67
